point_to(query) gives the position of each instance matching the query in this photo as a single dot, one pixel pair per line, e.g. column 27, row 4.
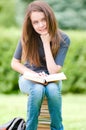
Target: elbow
column 15, row 64
column 56, row 69
column 12, row 64
column 59, row 68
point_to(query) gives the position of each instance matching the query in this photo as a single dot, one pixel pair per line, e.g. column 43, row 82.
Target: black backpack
column 15, row 124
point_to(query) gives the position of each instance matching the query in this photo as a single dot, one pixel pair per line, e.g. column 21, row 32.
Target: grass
column 74, row 110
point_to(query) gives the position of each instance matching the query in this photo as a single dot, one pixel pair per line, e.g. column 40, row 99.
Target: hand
column 46, row 38
column 42, row 74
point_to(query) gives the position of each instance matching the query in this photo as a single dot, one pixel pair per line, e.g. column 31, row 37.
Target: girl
column 43, row 48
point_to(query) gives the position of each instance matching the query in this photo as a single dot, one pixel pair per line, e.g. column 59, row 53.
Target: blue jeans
column 36, row 94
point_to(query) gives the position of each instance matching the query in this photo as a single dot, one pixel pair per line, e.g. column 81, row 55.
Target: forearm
column 51, row 65
column 19, row 67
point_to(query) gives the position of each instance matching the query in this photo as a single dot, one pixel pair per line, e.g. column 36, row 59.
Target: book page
column 55, row 77
column 44, row 80
column 34, row 77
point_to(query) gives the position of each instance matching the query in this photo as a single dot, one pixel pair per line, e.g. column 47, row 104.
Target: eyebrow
column 43, row 18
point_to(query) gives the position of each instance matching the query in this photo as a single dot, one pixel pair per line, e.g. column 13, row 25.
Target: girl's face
column 39, row 23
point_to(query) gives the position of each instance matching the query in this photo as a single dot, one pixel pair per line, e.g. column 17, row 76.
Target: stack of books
column 44, row 118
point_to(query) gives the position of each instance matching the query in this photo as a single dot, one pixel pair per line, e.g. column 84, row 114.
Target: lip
column 43, row 30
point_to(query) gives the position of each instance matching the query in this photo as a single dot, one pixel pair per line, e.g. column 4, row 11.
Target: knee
column 37, row 94
column 24, row 85
column 53, row 89
column 39, row 90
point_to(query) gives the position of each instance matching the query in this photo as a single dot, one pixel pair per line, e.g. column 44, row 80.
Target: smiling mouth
column 43, row 29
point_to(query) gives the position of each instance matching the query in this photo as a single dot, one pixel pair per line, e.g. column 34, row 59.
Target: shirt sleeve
column 64, row 45
column 18, row 51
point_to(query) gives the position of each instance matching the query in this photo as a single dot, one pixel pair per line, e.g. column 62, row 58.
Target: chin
column 43, row 33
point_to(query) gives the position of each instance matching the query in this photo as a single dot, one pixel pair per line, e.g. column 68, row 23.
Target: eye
column 44, row 20
column 35, row 22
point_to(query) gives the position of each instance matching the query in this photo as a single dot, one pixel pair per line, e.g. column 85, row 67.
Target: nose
column 41, row 24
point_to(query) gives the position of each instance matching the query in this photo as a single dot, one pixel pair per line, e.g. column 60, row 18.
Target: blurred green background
column 71, row 16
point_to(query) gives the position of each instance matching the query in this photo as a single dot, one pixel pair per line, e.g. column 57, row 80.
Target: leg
column 53, row 94
column 36, row 94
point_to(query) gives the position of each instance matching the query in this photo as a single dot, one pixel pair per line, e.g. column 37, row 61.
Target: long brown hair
column 30, row 37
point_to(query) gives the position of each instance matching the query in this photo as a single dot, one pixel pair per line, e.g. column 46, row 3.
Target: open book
column 46, row 79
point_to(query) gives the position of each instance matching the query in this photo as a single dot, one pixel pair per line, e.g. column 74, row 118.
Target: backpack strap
column 22, row 125
column 7, row 125
column 16, row 123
